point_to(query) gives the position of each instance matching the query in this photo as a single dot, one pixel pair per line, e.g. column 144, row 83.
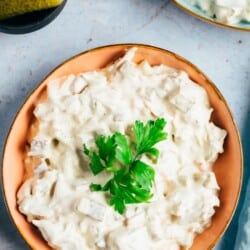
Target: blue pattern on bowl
column 198, row 12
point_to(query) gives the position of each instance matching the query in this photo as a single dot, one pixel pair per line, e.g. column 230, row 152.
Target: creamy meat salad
column 226, row 11
column 57, row 199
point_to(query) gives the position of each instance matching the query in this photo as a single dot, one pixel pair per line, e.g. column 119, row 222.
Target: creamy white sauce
column 226, row 11
column 57, row 198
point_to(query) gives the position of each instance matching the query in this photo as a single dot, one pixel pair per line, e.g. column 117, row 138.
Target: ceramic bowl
column 228, row 167
column 195, row 11
column 30, row 22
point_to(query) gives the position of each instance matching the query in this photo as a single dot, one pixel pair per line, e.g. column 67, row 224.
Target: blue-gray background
column 223, row 54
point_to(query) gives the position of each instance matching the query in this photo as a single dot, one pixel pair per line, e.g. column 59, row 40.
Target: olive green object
column 10, row 8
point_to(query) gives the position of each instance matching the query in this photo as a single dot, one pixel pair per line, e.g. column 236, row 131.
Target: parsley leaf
column 123, row 151
column 146, row 136
column 132, row 179
column 105, row 157
column 106, row 149
column 95, row 187
column 143, row 174
column 96, row 164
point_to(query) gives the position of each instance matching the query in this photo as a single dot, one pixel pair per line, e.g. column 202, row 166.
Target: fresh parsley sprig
column 132, row 178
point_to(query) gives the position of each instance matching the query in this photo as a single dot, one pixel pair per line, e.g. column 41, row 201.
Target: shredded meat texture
column 56, row 196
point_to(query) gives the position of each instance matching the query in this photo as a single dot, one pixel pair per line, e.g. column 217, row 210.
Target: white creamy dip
column 226, row 11
column 57, row 198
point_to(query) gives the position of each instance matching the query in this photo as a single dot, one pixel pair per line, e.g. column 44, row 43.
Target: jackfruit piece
column 11, row 8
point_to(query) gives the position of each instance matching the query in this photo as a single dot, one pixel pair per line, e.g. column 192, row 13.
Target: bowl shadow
column 7, row 229
column 9, row 106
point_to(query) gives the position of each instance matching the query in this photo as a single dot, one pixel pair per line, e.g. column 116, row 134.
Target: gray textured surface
column 222, row 54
